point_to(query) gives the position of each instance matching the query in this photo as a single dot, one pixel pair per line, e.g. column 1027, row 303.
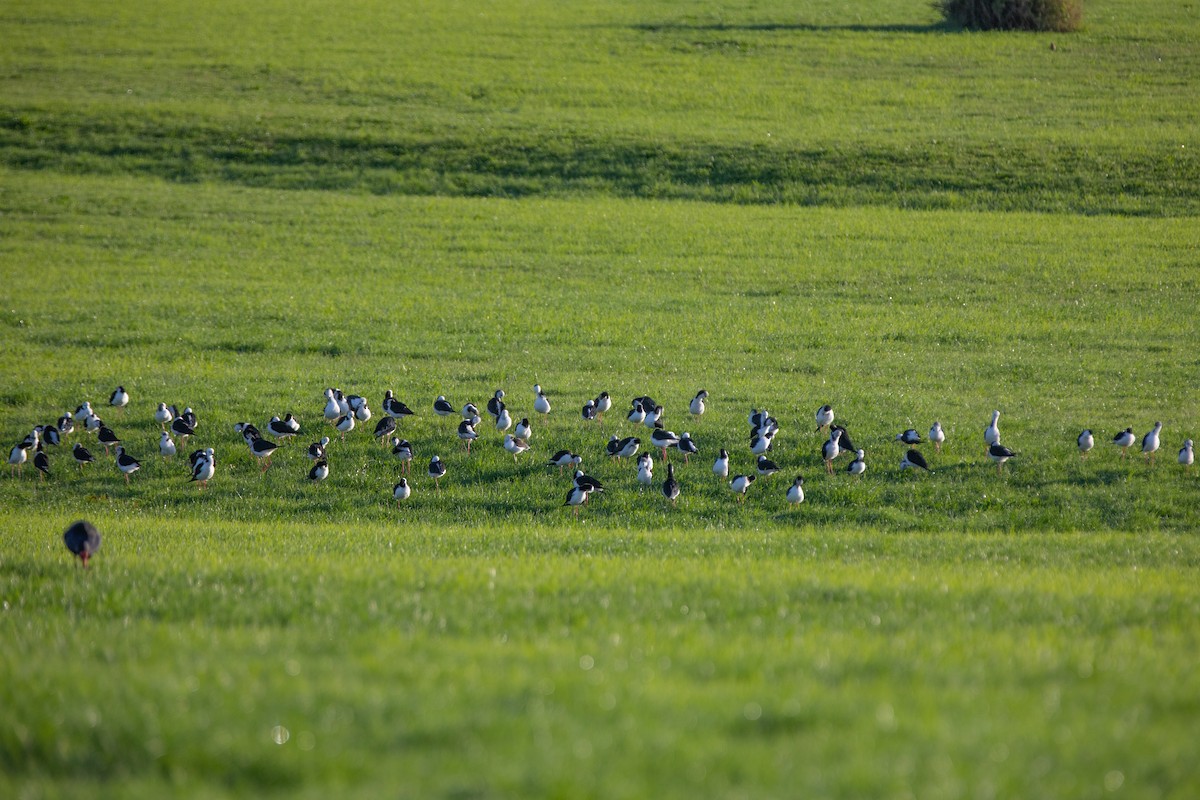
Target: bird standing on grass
column 126, row 463
column 696, row 407
column 721, row 465
column 859, row 465
column 495, row 403
column 999, row 453
column 1125, row 440
column 795, row 492
column 1150, row 442
column 603, row 404
column 82, row 539
column 316, row 450
column 82, row 455
column 442, row 407
column 384, row 429
column 437, row 471
column 937, row 436
column 394, row 408
column 203, row 469
column 625, row 448
column 1186, row 456
column 830, row 450
column 910, row 436
column 1085, row 442
column 540, row 403
column 403, row 451
column 41, row 462
column 914, row 460
column 467, row 433
column 345, row 424
column 119, row 398
column 645, row 469
column 262, row 449
column 576, row 497
column 515, row 446
column 740, row 484
column 564, row 458
column 670, row 487
column 523, row 429
column 766, row 467
column 166, row 446
column 824, row 417
column 688, row 447
column 991, row 434
column 319, row 471
column 401, row 491
column 503, row 420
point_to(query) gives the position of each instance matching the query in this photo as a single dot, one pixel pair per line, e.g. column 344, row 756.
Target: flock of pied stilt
column 343, row 412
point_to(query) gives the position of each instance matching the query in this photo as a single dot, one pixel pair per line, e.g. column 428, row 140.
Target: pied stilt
column 437, row 471
column 333, row 409
column 466, row 433
column 163, row 415
column 653, row 418
column 721, row 465
column 664, row 439
column 626, row 447
column 495, row 403
column 577, row 496
column 523, row 429
column 830, row 450
column 688, row 447
column 402, row 451
column 203, row 468
column 1086, row 442
column 1186, row 456
column 859, row 465
column 82, row 455
column 515, row 446
column 262, row 449
column 394, row 408
column 384, row 429
column 401, row 491
column 280, row 429
column 670, row 487
column 740, row 484
column 991, row 434
column 345, row 424
column 319, row 471
column 910, row 436
column 442, row 407
column 126, row 463
column 645, row 469
column 119, row 398
column 795, row 492
column 180, row 428
column 937, row 436
column 166, row 446
column 999, row 453
column 540, row 404
column 589, row 411
column 603, row 404
column 761, row 443
column 108, row 438
column 1125, row 440
column 914, row 460
column 83, row 411
column 637, row 414
column 696, row 407
column 1150, row 442
column 564, row 458
column 824, row 417
column 766, row 467
column 504, row 420
column 41, row 462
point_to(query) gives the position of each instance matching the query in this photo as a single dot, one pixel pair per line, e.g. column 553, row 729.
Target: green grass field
column 785, row 204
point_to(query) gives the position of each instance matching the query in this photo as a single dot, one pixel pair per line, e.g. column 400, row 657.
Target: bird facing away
column 1086, row 442
column 670, row 486
column 688, row 447
column 540, row 404
column 442, row 407
column 576, row 497
column 910, row 436
column 514, row 445
column 82, row 539
column 82, row 455
column 740, row 484
column 696, row 407
column 999, row 453
column 721, row 465
column 991, row 434
column 795, row 492
column 937, row 436
column 1150, row 442
column 766, row 467
column 914, row 460
column 126, row 463
column 1125, row 440
column 859, row 465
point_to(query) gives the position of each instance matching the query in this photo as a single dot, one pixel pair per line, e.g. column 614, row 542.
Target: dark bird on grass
column 843, row 439
column 766, row 467
column 82, row 539
column 437, row 470
column 670, row 487
column 589, row 411
column 1125, row 440
column 385, row 428
column 82, row 455
column 319, row 471
column 740, row 484
column 564, row 458
column 913, row 459
column 910, row 436
column 108, row 438
column 282, row 429
column 126, row 463
column 795, row 492
column 42, row 462
column 999, row 453
column 1086, row 442
column 189, row 417
column 180, row 428
column 66, row 425
column 401, row 491
column 394, row 408
column 247, row 431
column 495, row 403
column 50, row 435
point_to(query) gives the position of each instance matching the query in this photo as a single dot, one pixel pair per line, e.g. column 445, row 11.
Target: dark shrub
column 1013, row 15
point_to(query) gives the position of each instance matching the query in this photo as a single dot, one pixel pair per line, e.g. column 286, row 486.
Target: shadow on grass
column 801, row 27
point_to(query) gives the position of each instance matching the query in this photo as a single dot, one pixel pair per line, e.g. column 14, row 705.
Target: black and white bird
column 637, row 414
column 914, row 460
column 587, row 482
column 588, row 412
column 360, row 410
column 1086, row 442
column 189, row 416
column 180, row 428
column 696, row 407
column 859, row 465
column 119, row 398
column 564, row 458
column 247, row 431
column 824, row 417
column 333, row 409
column 384, row 429
column 442, row 407
column 66, row 424
column 495, row 403
column 82, row 539
column 688, row 447
column 761, row 443
column 540, row 403
column 262, row 449
column 82, row 455
column 92, row 423
column 603, row 404
column 394, row 408
column 1186, row 456
column 766, row 467
column 470, row 412
column 108, row 438
column 830, row 450
column 41, row 462
column 647, row 402
column 576, row 497
column 910, row 437
column 126, row 463
column 653, row 418
column 83, row 411
column 663, row 438
column 503, row 420
column 645, row 469
column 740, row 484
column 843, row 439
column 403, row 452
column 204, row 468
column 466, row 433
column 1150, row 442
column 523, row 429
column 625, row 448
column 795, row 492
column 163, row 415
column 50, row 435
column 1125, row 440
column 670, row 487
column 721, row 465
column 401, row 491
column 757, row 419
column 345, row 424
column 166, row 445
column 991, row 434
column 514, row 445
column 437, row 471
column 937, row 436
column 999, row 454
column 280, row 429
column 319, row 471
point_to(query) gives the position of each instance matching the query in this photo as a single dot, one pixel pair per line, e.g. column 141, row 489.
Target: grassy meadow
column 234, row 208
